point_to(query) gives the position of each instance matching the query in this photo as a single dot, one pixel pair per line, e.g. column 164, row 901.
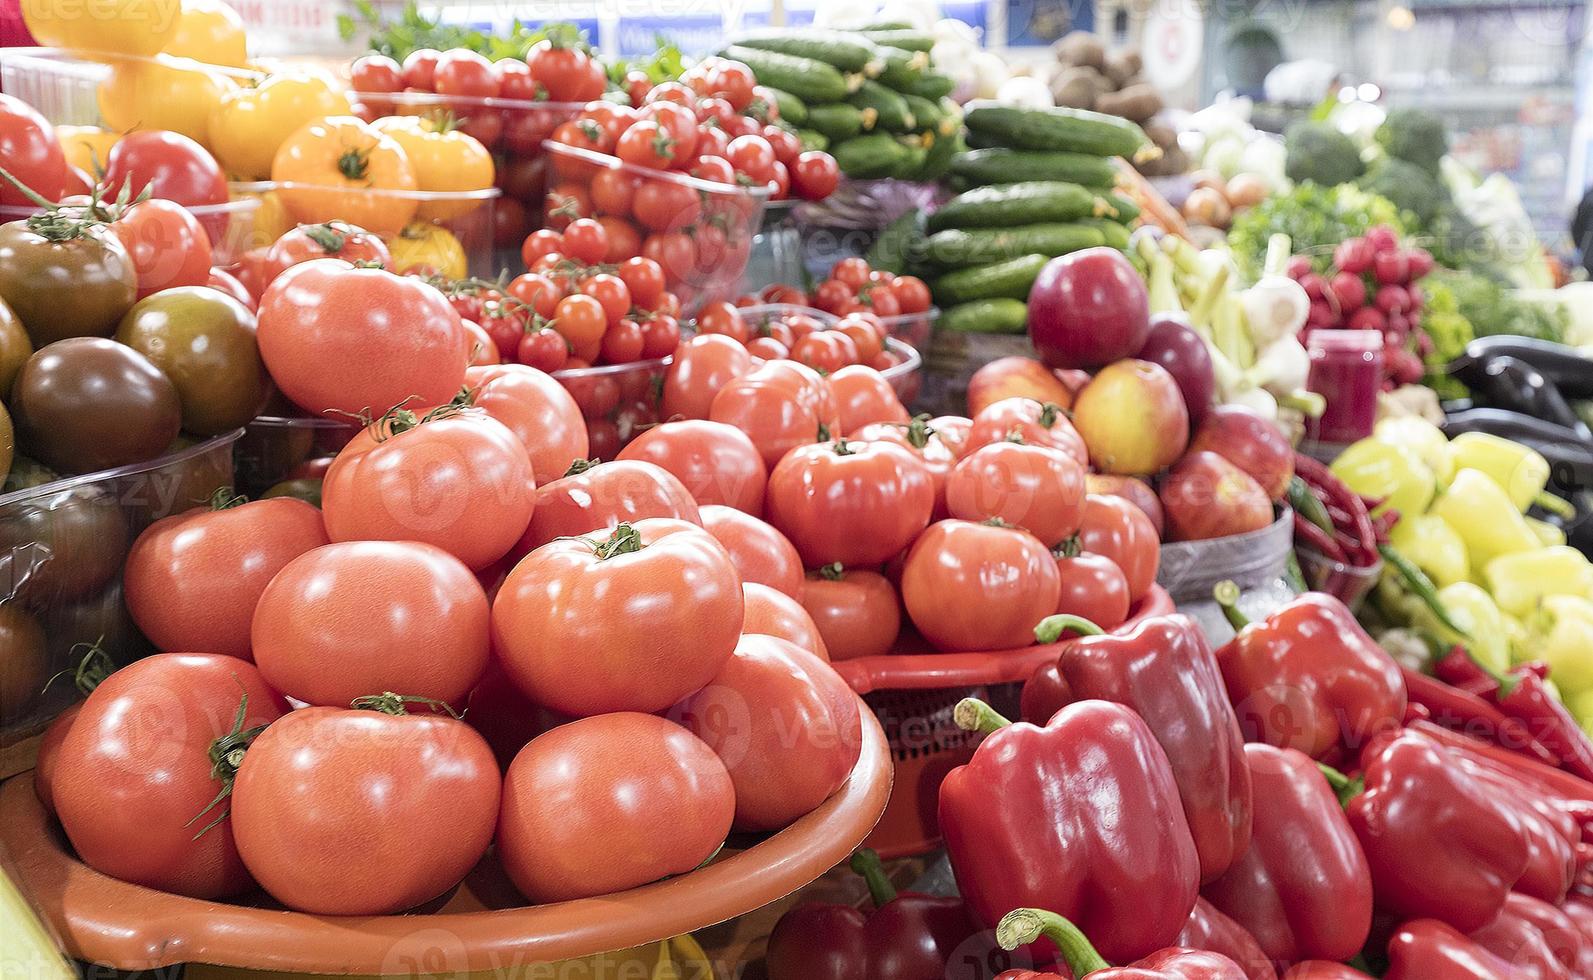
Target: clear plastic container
column 913, row 329
column 276, row 448
column 776, row 250
column 1350, row 584
column 704, row 230
column 76, row 89
column 1347, row 371
column 617, row 401
column 62, row 548
column 905, row 376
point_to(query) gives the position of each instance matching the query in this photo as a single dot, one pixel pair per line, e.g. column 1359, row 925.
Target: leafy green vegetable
column 1417, row 193
column 1415, row 136
column 1315, row 218
column 1320, row 153
column 1450, row 332
column 1493, row 309
column 412, row 30
column 665, row 64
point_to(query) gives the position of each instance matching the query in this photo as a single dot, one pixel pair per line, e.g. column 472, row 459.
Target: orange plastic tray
column 130, row 927
column 912, row 671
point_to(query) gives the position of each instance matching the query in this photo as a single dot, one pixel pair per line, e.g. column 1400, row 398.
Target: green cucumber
column 1010, row 280
column 928, row 116
column 907, row 39
column 1075, row 130
column 1004, row 166
column 844, row 50
column 930, row 86
column 1126, row 209
column 959, row 248
column 792, row 109
column 837, row 122
column 890, row 109
column 812, row 139
column 807, row 79
column 1027, row 203
column 897, row 243
column 1115, row 232
column 887, row 25
column 901, row 69
column 981, row 141
column 986, row 316
column 871, row 156
column 939, row 155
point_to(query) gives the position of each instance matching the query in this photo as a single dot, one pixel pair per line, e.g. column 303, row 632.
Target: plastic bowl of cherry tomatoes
column 901, row 304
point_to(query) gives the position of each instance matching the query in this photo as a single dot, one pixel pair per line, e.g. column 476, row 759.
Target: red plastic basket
column 913, row 694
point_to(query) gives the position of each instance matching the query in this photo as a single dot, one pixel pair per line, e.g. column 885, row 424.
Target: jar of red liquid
column 1347, row 371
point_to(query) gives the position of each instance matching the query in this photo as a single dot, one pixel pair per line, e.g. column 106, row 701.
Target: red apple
column 1132, row 489
column 1015, row 377
column 1132, row 418
column 1206, row 496
column 1251, row 443
column 1087, row 309
column 1175, row 345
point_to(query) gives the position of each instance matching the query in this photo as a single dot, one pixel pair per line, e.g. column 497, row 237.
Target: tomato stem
column 625, row 540
column 580, row 466
column 92, row 667
column 919, row 430
column 389, row 703
column 354, row 164
column 327, row 236
column 842, row 449
column 226, row 755
column 833, row 572
column 225, row 498
column 1049, row 413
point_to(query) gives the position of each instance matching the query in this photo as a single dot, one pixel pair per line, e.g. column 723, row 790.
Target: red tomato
column 675, row 252
column 648, row 144
column 785, row 144
column 31, row 153
column 912, row 294
column 732, row 81
column 760, row 553
column 461, row 482
column 779, row 182
column 613, row 190
column 716, row 463
column 585, row 241
column 544, row 349
column 953, row 430
column 723, row 318
column 777, row 406
column 480, row 347
column 420, row 67
column 1029, row 421
column 593, row 499
column 631, row 620
column 624, row 240
column 462, row 72
column 660, row 336
column 971, row 586
column 167, row 246
column 877, row 298
column 863, row 396
column 826, row 351
column 768, row 348
column 537, row 409
column 771, row 612
column 856, row 503
column 539, row 243
column 515, row 80
column 563, row 72
column 583, row 134
column 610, row 292
column 347, row 619
column 623, row 342
column 704, row 365
column 536, row 291
column 670, row 92
column 715, row 112
column 224, row 281
column 192, row 580
column 865, row 333
column 638, row 86
column 418, row 792
column 581, row 320
column 571, row 794
column 852, row 272
column 752, row 156
column 714, row 167
column 815, row 175
column 680, row 123
column 49, row 755
column 925, row 439
column 1115, row 528
column 786, row 726
column 169, row 165
column 359, row 340
column 565, row 202
column 664, row 204
column 1037, row 488
column 644, row 278
column 332, row 240
column 856, row 611
column 1093, row 587
column 133, row 781
column 505, row 324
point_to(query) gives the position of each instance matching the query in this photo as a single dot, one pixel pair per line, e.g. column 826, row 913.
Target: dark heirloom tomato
column 88, row 403
column 856, row 611
column 1037, row 488
column 193, row 580
column 203, row 340
column 974, row 586
column 1117, row 529
column 633, row 620
column 595, row 498
column 362, row 812
column 856, row 503
column 133, row 784
column 773, row 613
column 609, row 803
column 24, row 664
column 537, row 409
column 760, row 552
column 716, row 463
column 15, row 347
column 784, row 724
column 46, row 258
column 61, row 546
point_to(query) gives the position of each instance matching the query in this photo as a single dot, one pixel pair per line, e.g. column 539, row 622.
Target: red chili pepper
column 1081, row 816
column 1323, row 970
column 1209, row 929
column 1303, row 889
column 1522, row 695
column 1337, row 494
column 1165, row 672
column 1317, row 539
column 1460, row 709
column 1309, row 677
column 1439, row 841
column 1021, row 927
column 908, row 936
column 1538, row 937
column 1427, row 949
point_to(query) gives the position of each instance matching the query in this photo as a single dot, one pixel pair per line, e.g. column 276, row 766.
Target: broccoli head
column 1317, row 152
column 1415, row 136
column 1412, row 190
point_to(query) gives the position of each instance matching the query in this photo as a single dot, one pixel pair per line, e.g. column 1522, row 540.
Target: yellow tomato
column 250, row 124
column 212, row 32
column 338, row 168
column 444, row 159
column 86, row 147
column 134, row 27
column 426, row 247
column 159, row 95
column 271, row 220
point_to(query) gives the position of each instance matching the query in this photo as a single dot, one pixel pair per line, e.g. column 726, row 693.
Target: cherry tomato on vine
column 825, row 350
column 753, row 156
column 815, row 175
column 536, row 291
column 623, row 342
column 542, row 348
column 644, row 278
column 539, row 243
column 647, row 144
column 581, row 320
column 660, row 336
column 723, row 318
column 585, row 241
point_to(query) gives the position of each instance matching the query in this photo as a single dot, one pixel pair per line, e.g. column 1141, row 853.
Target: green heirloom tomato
column 203, row 340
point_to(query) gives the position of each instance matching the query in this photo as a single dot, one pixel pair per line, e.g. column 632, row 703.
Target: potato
column 1081, row 48
column 1138, row 102
column 1246, row 191
column 1122, row 67
column 1161, row 133
column 1207, row 178
column 1207, row 206
column 1079, row 88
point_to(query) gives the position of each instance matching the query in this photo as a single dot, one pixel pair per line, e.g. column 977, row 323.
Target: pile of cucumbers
column 870, row 97
column 1039, row 183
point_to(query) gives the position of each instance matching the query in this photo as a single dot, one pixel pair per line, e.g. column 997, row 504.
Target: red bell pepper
column 1303, row 889
column 908, row 936
column 1164, row 670
column 1030, row 975
column 1081, row 816
column 1021, row 927
column 1044, row 694
column 1427, row 949
column 1323, row 970
column 1209, row 929
column 1537, row 937
column 1569, row 793
column 1308, row 677
column 1552, row 835
column 1440, row 842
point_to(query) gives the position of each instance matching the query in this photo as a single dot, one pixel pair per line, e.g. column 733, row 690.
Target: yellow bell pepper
column 1379, row 469
column 1520, row 580
column 1421, row 437
column 1470, row 606
column 1548, row 534
column 1520, row 470
column 1479, row 510
column 1434, row 546
column 1561, row 635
